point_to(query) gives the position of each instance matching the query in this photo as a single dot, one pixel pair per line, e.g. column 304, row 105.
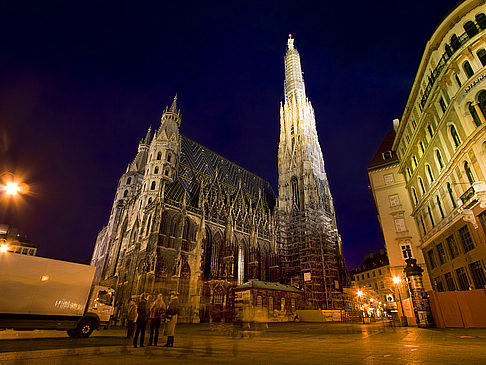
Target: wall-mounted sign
column 307, row 276
column 474, row 83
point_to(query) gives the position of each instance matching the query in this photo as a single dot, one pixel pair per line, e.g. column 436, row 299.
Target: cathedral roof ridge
column 227, row 159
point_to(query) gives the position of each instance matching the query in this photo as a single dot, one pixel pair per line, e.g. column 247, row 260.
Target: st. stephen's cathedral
column 185, row 218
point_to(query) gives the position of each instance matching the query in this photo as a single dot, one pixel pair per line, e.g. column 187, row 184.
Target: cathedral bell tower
column 164, row 153
column 312, row 256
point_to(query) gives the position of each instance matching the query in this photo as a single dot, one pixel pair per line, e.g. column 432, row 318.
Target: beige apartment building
column 441, row 149
column 394, row 209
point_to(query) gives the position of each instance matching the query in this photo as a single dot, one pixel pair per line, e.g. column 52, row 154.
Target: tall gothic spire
column 173, row 107
column 307, row 224
column 147, row 136
column 294, row 81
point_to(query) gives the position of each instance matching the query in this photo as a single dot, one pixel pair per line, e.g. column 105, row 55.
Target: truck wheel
column 72, row 333
column 85, row 327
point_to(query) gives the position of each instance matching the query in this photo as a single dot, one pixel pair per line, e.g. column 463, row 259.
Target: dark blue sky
column 81, row 82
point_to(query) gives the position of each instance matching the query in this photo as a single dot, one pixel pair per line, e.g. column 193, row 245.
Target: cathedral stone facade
column 187, row 219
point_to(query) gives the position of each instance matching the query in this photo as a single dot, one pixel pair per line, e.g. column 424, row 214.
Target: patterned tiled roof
column 381, row 158
column 199, row 163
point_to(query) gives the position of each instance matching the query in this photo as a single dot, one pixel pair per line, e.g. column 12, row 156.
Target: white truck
column 41, row 293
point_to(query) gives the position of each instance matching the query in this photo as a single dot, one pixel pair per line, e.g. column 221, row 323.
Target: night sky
column 81, row 82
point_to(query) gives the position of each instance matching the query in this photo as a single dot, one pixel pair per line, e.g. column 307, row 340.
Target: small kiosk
column 261, row 301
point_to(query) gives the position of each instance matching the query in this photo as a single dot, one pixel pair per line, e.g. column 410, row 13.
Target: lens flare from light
column 12, row 188
column 3, row 247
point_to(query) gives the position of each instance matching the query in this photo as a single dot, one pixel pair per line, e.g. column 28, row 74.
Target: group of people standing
column 155, row 313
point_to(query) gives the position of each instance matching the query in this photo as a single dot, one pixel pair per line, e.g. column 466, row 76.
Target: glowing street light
column 359, row 293
column 11, row 186
column 403, row 320
column 3, row 247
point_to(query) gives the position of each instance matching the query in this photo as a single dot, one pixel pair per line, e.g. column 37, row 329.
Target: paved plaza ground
column 280, row 343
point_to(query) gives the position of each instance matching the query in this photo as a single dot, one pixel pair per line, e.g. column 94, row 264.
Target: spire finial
column 147, row 136
column 290, row 42
column 173, row 107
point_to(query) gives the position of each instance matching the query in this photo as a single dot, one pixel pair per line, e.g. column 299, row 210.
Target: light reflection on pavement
column 280, row 343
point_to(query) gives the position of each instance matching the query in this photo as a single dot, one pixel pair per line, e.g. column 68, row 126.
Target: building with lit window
column 12, row 241
column 374, row 275
column 441, row 147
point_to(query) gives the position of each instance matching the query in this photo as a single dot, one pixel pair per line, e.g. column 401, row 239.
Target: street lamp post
column 359, row 293
column 403, row 318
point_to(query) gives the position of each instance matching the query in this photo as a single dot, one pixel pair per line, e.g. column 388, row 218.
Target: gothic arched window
column 422, row 187
column 173, row 234
column 240, row 266
column 415, row 162
column 422, row 148
column 159, row 155
column 129, row 180
column 455, row 136
column 422, row 224
column 186, row 234
column 169, row 157
column 439, row 159
column 451, row 195
column 468, row 69
column 152, row 185
column 184, row 282
column 429, row 172
column 439, row 205
column 414, row 193
column 149, row 222
column 156, row 170
column 430, row 217
column 474, row 115
column 295, row 192
column 458, row 80
column 206, row 244
column 125, row 193
column 469, row 173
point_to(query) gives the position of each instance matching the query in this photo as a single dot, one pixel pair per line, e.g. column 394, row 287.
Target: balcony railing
column 450, row 50
column 468, row 194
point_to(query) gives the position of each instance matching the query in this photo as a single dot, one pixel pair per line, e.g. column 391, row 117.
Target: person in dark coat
column 157, row 310
column 131, row 317
column 143, row 313
column 171, row 318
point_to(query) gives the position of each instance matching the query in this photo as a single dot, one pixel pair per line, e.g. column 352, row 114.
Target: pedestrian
column 131, row 318
column 157, row 311
column 171, row 318
column 142, row 311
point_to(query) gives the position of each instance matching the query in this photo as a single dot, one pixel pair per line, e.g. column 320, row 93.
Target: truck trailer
column 41, row 293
